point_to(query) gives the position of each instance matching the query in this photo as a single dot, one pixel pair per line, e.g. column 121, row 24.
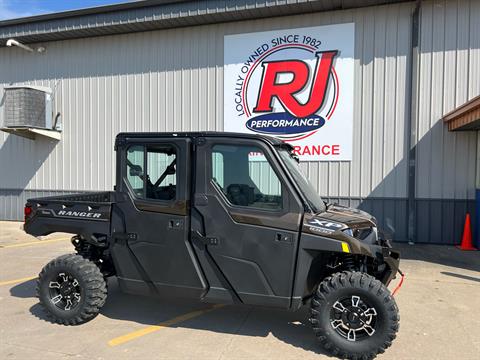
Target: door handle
column 175, row 224
column 281, row 237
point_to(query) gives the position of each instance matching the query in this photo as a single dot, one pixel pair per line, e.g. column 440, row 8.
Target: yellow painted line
column 38, row 242
column 150, row 329
column 10, row 282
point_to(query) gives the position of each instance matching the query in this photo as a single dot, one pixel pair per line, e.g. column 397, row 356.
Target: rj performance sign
column 296, row 85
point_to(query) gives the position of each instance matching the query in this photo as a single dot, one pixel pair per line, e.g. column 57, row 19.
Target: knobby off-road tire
column 71, row 290
column 354, row 316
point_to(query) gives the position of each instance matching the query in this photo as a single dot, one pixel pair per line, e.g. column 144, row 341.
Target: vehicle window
column 159, row 180
column 309, row 192
column 246, row 177
column 161, row 171
column 217, row 168
column 135, row 162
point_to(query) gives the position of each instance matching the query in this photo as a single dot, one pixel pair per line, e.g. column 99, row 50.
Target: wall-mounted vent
column 28, row 112
column 28, row 106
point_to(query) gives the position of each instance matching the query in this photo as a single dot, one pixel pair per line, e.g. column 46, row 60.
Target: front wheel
column 71, row 289
column 354, row 316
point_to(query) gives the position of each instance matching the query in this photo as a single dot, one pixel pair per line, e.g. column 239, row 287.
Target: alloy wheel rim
column 353, row 318
column 65, row 291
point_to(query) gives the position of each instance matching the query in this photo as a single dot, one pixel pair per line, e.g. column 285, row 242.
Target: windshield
column 310, row 194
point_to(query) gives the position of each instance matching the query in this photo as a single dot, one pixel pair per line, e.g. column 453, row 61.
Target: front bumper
column 392, row 259
column 388, row 257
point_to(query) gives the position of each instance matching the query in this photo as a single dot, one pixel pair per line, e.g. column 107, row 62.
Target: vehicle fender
column 335, row 243
column 320, row 243
column 315, row 251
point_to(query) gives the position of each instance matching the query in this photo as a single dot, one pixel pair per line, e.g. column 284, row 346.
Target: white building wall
column 172, row 80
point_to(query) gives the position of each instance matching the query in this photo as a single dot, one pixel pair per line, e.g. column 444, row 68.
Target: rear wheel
column 71, row 289
column 354, row 316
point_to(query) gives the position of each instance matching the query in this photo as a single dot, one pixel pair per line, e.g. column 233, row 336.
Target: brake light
column 27, row 211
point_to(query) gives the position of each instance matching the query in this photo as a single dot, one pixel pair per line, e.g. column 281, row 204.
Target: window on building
column 246, row 177
column 159, row 180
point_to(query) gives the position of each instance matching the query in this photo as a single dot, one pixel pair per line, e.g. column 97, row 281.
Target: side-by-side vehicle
column 222, row 218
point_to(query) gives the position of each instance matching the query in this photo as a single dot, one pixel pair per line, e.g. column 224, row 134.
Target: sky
column 11, row 9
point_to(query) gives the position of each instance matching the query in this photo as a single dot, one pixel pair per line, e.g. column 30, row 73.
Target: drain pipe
column 13, row 42
column 412, row 89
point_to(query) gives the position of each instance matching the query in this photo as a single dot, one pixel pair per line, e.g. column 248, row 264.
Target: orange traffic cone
column 467, row 242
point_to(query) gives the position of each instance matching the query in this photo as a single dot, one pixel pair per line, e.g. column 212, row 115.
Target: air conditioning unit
column 28, row 111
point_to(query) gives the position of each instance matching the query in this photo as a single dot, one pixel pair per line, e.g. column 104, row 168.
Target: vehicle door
column 154, row 191
column 250, row 217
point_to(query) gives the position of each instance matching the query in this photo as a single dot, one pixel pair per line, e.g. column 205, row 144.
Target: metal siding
column 116, row 19
column 172, row 80
column 13, row 201
column 449, row 72
column 449, row 59
column 441, row 220
column 142, row 16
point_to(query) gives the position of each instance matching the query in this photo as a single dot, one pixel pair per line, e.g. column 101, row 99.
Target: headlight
column 349, row 232
column 367, row 235
column 362, row 233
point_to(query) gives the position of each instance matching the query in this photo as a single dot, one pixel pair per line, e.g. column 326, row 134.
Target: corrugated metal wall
column 449, row 67
column 172, row 80
column 154, row 15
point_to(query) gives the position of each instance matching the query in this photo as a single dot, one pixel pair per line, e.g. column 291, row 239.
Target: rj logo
column 285, row 92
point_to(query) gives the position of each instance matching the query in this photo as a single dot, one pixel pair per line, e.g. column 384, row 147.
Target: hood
column 354, row 218
column 338, row 217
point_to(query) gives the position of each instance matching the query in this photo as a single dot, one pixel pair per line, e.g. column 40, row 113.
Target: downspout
column 412, row 93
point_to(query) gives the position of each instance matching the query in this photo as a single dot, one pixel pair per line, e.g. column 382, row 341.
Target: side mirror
column 136, row 170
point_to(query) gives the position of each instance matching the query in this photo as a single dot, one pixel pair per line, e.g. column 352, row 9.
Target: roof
column 195, row 134
column 159, row 14
column 464, row 117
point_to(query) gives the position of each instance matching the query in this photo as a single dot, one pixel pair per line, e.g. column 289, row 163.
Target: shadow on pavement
column 290, row 327
column 461, row 276
column 440, row 254
column 25, row 289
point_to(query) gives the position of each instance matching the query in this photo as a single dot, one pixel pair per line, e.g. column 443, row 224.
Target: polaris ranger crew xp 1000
column 222, row 218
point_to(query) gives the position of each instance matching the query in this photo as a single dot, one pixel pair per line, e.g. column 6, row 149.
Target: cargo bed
column 85, row 213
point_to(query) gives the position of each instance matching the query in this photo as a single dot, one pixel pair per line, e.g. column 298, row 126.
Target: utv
column 222, row 218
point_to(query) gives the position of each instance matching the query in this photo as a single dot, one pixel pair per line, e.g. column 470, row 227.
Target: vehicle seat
column 240, row 194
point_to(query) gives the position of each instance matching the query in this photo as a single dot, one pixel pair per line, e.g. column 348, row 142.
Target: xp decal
column 296, row 85
column 323, row 226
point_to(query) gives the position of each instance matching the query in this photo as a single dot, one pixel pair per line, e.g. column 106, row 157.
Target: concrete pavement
column 439, row 308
